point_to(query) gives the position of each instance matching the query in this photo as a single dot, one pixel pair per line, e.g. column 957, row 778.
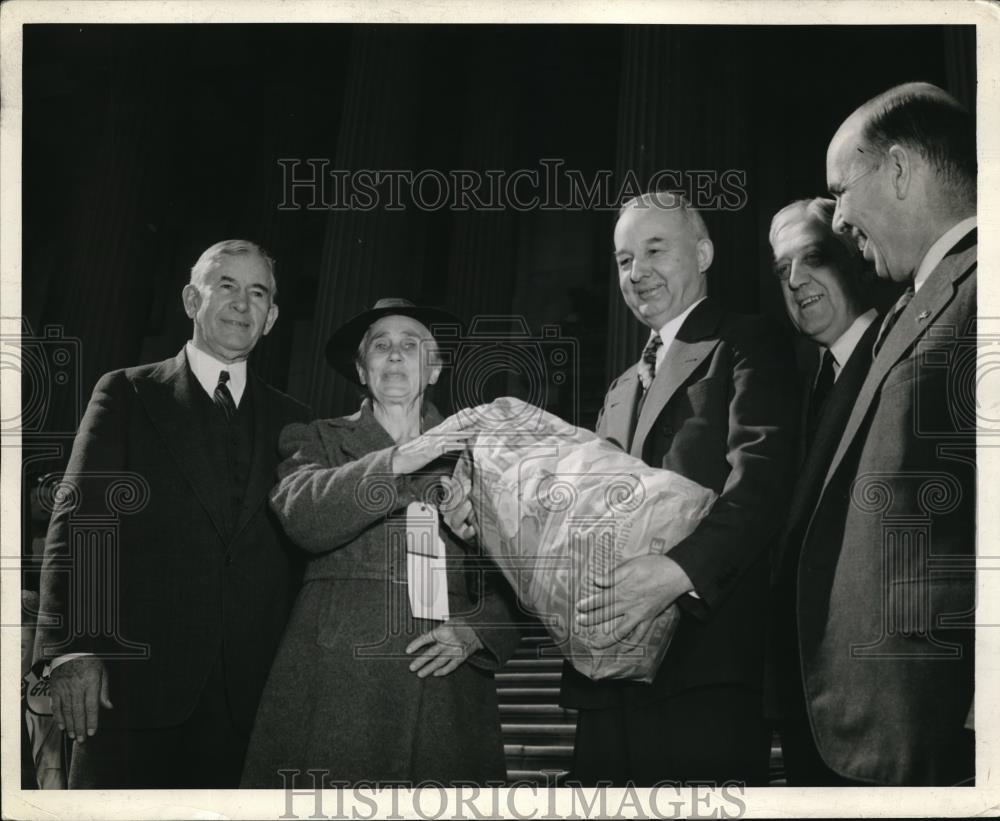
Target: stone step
column 548, row 751
column 547, row 712
column 538, row 734
column 532, row 695
column 527, row 678
column 541, row 777
column 516, row 665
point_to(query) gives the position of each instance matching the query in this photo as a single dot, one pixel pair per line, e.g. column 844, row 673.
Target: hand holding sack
column 557, row 505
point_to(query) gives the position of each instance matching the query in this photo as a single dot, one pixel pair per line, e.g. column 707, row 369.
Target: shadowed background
column 145, row 144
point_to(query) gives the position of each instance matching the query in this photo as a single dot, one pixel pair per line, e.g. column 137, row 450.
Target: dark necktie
column 647, row 364
column 223, row 398
column 821, row 390
column 892, row 319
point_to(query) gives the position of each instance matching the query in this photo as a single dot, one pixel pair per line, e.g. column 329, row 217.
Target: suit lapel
column 834, row 416
column 618, row 418
column 923, row 310
column 695, row 341
column 168, row 396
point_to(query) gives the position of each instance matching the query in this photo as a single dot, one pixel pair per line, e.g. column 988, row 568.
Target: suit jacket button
column 229, row 561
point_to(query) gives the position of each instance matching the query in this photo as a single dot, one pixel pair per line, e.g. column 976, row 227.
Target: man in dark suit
column 824, row 282
column 713, row 398
column 887, row 565
column 166, row 580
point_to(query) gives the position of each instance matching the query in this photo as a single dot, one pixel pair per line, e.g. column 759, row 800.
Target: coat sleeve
column 762, row 421
column 495, row 622
column 324, row 498
column 99, row 451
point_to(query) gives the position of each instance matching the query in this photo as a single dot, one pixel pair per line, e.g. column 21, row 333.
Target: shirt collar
column 849, row 339
column 948, row 240
column 669, row 331
column 206, row 369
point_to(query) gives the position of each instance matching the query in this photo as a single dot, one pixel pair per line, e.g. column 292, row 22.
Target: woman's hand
column 445, row 648
column 456, row 509
column 451, row 435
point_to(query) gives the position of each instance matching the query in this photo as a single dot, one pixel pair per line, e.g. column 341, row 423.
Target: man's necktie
column 223, row 398
column 647, row 364
column 892, row 319
column 821, row 390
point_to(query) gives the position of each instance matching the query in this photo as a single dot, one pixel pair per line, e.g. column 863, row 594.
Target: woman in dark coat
column 361, row 689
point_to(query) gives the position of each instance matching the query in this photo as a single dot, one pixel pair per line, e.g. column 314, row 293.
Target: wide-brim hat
column 343, row 345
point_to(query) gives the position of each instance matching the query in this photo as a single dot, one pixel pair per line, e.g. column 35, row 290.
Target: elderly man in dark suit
column 887, row 564
column 824, row 282
column 162, row 628
column 713, row 398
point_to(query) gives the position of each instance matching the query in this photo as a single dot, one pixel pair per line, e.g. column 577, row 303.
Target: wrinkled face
column 661, row 263
column 866, row 207
column 815, row 279
column 232, row 306
column 397, row 359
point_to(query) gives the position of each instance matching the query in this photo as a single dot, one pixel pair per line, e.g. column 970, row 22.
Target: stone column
column 684, row 108
column 367, row 254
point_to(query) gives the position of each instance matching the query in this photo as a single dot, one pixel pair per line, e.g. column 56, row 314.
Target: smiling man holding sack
column 713, row 398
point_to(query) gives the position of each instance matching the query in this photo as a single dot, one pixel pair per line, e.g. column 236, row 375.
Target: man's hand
column 77, row 687
column 626, row 600
column 447, row 646
column 456, row 509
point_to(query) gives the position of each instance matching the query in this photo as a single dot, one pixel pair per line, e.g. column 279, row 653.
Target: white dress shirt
column 848, row 341
column 948, row 240
column 668, row 333
column 207, row 368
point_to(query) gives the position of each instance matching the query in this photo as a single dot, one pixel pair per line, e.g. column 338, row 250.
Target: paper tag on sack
column 426, row 580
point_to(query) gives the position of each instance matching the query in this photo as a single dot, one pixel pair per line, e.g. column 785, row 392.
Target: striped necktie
column 647, row 364
column 223, row 398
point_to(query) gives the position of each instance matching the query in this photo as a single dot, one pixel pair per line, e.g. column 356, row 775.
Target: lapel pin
column 923, row 315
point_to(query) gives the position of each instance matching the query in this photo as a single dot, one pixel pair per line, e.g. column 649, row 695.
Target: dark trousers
column 205, row 751
column 706, row 735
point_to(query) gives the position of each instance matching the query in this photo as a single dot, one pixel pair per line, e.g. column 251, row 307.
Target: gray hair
column 231, row 247
column 669, row 200
column 821, row 210
column 433, row 356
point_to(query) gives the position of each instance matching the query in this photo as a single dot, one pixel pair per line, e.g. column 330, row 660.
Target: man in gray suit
column 887, row 562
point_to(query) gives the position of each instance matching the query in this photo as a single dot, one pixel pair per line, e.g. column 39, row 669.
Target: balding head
column 902, row 168
column 929, row 120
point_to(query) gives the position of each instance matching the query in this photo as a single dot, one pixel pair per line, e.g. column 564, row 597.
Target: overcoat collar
column 932, row 298
column 694, row 343
column 362, row 432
